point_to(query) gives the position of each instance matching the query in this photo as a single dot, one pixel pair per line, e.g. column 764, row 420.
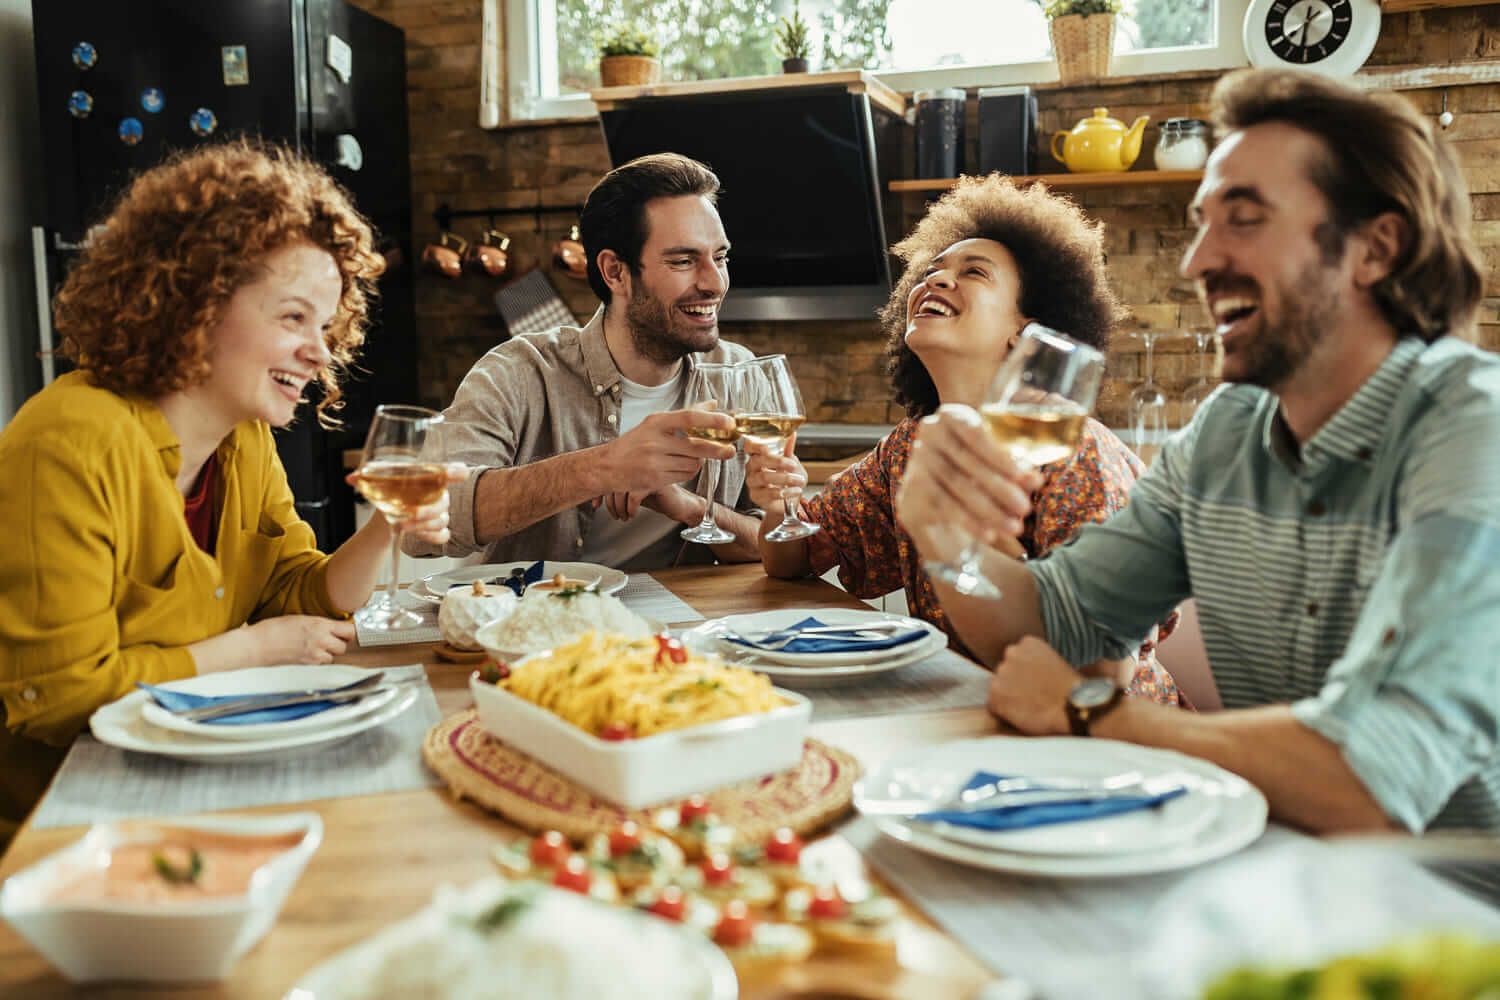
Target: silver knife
column 277, row 699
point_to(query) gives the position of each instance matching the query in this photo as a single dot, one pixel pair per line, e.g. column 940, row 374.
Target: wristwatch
column 1089, row 701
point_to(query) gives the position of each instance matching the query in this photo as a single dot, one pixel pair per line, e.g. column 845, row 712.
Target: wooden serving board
column 482, row 769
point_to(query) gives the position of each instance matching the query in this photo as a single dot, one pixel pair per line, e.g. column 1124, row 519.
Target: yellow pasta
column 602, row 681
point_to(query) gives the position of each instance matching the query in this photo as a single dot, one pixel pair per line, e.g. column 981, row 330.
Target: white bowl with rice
column 546, row 619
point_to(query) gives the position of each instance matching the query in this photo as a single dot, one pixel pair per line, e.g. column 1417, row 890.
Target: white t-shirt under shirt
column 650, row 537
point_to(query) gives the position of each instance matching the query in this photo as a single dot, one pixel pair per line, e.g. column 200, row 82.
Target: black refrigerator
column 121, row 84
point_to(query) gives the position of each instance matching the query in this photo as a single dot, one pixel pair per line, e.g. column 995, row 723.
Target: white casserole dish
column 654, row 769
column 161, row 941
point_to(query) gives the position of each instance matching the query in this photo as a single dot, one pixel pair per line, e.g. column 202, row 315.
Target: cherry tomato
column 573, row 874
column 827, row 904
column 616, row 731
column 784, row 847
column 693, row 807
column 550, row 849
column 671, row 648
column 624, row 838
column 718, row 870
column 670, row 904
column 736, row 926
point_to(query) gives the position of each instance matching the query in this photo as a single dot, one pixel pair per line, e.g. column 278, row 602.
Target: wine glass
column 1034, row 408
column 711, row 383
column 767, row 413
column 1194, row 395
column 401, row 469
column 1148, row 406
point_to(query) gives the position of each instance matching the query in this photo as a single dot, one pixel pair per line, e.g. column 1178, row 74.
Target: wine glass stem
column 395, row 566
column 788, row 519
column 711, row 473
column 1150, row 349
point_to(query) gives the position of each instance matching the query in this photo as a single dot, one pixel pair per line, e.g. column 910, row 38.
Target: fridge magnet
column 236, row 64
column 131, row 131
column 80, row 103
column 152, row 100
column 203, row 122
column 84, row 55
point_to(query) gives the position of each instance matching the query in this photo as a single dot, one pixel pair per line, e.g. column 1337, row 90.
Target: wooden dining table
column 383, row 855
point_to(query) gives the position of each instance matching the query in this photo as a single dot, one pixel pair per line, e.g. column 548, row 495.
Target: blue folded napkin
column 180, row 701
column 1019, row 817
column 827, row 643
column 532, row 575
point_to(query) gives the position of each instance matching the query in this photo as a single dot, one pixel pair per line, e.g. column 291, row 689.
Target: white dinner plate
column 122, row 724
column 1134, row 843
column 773, row 621
column 258, row 680
column 434, row 586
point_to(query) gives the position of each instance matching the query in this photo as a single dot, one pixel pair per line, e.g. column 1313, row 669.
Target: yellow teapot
column 1100, row 143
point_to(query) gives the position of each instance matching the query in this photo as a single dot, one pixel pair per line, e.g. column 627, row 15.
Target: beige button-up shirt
column 536, row 396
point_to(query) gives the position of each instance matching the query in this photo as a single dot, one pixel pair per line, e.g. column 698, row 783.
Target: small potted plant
column 1083, row 36
column 628, row 57
column 792, row 43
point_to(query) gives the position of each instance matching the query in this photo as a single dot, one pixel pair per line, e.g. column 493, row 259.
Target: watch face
column 1092, row 693
column 1331, row 36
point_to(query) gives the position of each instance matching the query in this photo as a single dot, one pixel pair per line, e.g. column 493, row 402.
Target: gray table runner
column 1287, row 899
column 99, row 782
column 943, row 680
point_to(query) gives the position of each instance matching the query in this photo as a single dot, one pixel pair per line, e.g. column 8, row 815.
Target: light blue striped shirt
column 1359, row 580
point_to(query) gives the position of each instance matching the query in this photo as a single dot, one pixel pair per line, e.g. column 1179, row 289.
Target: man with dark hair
column 572, row 435
column 1334, row 510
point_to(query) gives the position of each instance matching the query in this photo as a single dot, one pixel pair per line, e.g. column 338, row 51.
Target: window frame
column 527, row 62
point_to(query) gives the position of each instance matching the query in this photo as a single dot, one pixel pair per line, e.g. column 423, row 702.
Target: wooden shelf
column 1124, row 178
column 1400, row 6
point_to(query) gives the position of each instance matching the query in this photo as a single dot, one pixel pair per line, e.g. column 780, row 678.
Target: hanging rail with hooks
column 445, row 213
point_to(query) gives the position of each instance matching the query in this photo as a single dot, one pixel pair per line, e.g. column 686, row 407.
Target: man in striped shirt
column 1334, row 510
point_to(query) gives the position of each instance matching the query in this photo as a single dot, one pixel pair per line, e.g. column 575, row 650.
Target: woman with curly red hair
column 153, row 532
column 988, row 258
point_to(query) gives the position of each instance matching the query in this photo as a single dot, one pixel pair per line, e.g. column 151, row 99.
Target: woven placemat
column 484, row 770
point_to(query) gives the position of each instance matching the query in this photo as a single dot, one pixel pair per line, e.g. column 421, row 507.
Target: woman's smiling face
column 966, row 309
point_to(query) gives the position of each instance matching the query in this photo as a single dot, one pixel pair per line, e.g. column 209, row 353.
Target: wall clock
column 1331, row 36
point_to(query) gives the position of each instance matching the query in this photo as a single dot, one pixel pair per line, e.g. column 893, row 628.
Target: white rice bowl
column 545, row 619
column 559, row 945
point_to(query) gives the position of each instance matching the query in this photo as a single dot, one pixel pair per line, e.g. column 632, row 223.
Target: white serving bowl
column 167, row 942
column 653, row 769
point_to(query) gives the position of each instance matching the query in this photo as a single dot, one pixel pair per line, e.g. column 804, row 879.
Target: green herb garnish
column 175, row 875
column 506, row 910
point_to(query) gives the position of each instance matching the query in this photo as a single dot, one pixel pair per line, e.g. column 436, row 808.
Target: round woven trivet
column 453, row 654
column 480, row 768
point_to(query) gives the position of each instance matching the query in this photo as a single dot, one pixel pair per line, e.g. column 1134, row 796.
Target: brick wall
column 838, row 364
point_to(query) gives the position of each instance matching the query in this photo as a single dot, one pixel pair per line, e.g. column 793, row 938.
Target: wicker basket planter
column 1081, row 44
column 628, row 71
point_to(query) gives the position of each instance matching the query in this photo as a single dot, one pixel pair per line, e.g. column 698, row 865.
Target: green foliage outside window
column 1062, row 8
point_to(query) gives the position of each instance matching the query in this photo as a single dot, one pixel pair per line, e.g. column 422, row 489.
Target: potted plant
column 792, row 43
column 1083, row 36
column 628, row 57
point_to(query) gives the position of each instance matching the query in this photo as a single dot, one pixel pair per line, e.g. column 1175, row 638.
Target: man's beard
column 1273, row 356
column 655, row 335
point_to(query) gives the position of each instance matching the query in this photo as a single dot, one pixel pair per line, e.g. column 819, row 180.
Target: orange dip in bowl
column 134, row 872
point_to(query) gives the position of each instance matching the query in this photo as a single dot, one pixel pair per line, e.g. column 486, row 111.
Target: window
column 912, row 44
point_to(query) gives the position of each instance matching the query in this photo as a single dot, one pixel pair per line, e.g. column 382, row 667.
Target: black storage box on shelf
column 1007, row 130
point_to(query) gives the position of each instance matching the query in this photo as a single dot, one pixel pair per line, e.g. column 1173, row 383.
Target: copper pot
column 446, row 255
column 569, row 255
column 491, row 256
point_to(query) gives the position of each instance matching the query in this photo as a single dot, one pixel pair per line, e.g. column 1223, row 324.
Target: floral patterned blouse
column 875, row 556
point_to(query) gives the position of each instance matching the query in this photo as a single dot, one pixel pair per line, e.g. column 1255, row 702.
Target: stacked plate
column 1219, row 812
column 136, row 722
column 740, row 639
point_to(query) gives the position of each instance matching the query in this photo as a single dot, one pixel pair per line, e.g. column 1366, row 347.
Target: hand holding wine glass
column 711, row 385
column 1035, row 408
column 400, row 471
column 768, row 413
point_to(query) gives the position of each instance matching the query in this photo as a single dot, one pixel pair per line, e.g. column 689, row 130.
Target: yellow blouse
column 101, row 584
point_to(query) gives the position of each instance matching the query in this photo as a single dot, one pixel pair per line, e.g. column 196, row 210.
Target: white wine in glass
column 401, row 469
column 716, row 384
column 769, row 414
column 1035, row 408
